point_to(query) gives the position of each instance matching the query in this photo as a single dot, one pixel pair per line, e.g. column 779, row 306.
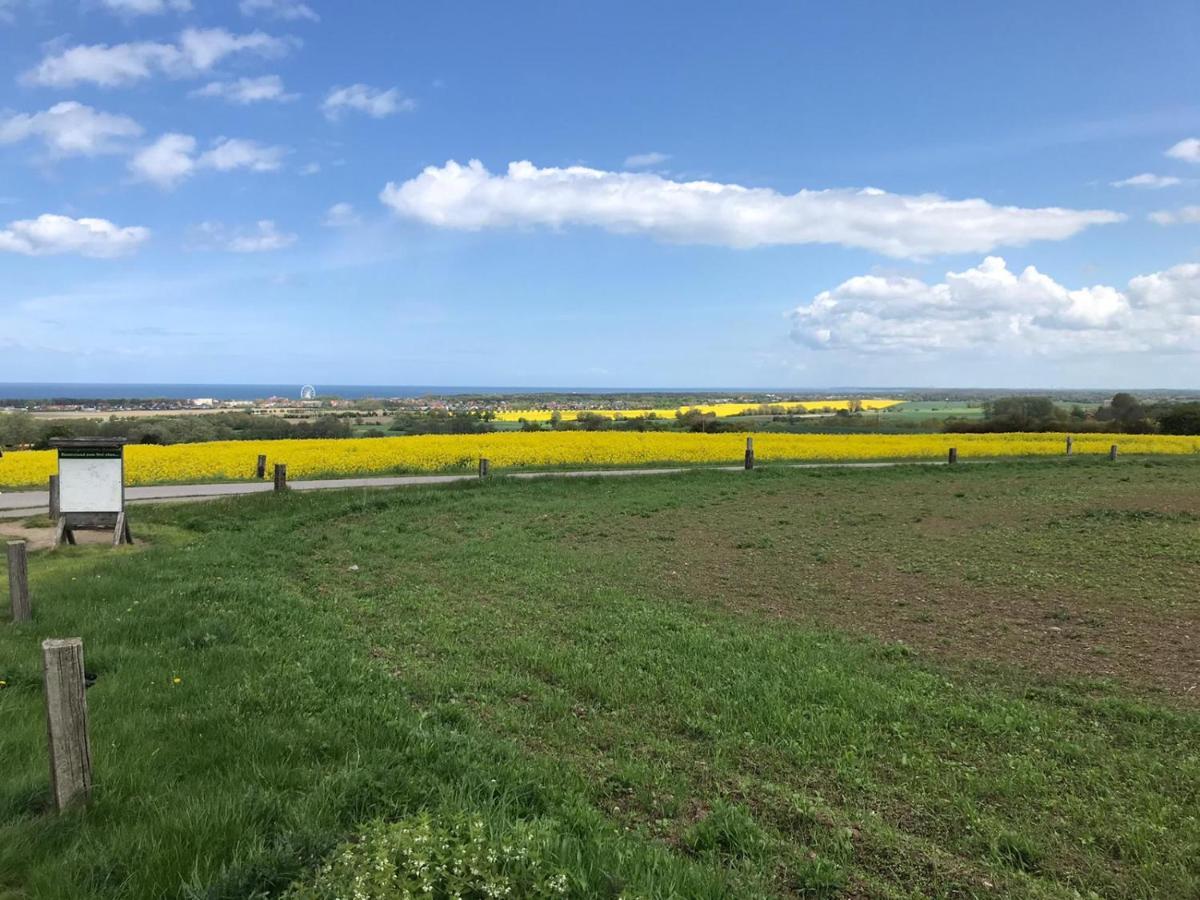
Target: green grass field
column 968, row 682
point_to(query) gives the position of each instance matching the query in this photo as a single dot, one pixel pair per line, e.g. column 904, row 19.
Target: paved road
column 17, row 504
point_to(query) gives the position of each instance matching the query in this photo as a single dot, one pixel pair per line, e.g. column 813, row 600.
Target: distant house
column 204, row 401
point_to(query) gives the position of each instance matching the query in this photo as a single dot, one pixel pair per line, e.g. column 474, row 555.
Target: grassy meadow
column 922, row 681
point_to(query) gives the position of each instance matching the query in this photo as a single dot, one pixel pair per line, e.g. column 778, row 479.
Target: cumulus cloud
column 173, row 158
column 50, row 234
column 263, row 237
column 279, row 9
column 341, row 215
column 71, row 129
column 701, row 212
column 990, row 308
column 374, row 102
column 245, row 91
column 146, row 7
column 116, row 65
column 1148, row 180
column 1185, row 215
column 1188, row 150
column 645, row 160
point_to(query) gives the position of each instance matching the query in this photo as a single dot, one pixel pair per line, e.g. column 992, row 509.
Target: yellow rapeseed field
column 235, row 460
column 721, row 409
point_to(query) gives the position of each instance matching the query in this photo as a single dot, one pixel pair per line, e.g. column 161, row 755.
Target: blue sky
column 621, row 194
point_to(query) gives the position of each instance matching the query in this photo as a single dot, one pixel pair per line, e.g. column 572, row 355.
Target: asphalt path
column 18, row 504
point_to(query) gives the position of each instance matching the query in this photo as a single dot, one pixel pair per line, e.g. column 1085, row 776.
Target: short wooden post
column 1070, row 444
column 18, row 581
column 260, row 470
column 1112, row 453
column 749, row 453
column 484, row 467
column 67, row 721
column 953, row 456
column 281, row 476
column 54, row 504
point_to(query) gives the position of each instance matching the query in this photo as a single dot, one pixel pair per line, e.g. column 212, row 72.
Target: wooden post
column 749, row 453
column 1112, row 452
column 67, row 721
column 18, row 581
column 484, row 467
column 1070, row 444
column 281, row 476
column 260, row 470
column 54, row 504
column 953, row 456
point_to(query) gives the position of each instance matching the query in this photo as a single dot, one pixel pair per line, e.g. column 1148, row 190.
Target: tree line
column 21, row 429
column 1124, row 414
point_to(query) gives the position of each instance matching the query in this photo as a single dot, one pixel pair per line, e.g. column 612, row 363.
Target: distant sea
column 81, row 391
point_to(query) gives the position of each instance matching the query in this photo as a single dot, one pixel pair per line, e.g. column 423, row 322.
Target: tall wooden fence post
column 952, row 458
column 1112, row 452
column 749, row 453
column 54, row 504
column 281, row 476
column 260, row 469
column 484, row 467
column 18, row 581
column 67, row 721
column 1070, row 444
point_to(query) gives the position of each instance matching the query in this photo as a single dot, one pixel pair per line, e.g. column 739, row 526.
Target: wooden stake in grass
column 54, row 504
column 260, row 470
column 281, row 476
column 484, row 467
column 953, row 456
column 67, row 721
column 18, row 581
column 1070, row 444
column 749, row 453
column 1112, row 453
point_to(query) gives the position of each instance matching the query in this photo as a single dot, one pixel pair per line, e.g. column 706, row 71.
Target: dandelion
column 176, row 680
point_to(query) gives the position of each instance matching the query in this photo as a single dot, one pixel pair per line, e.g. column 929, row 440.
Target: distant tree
column 1181, row 418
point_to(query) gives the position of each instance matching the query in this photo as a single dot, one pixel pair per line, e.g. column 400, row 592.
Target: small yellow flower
column 176, row 680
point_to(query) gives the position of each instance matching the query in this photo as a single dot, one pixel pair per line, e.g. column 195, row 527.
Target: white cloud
column 374, row 102
column 71, row 129
column 646, row 160
column 1188, row 150
column 172, row 158
column 167, row 161
column 341, row 215
column 1186, row 215
column 263, row 237
column 197, row 51
column 146, row 7
column 1148, row 180
column 990, row 309
column 279, row 9
column 699, row 212
column 50, row 234
column 228, row 154
column 311, row 168
column 245, row 91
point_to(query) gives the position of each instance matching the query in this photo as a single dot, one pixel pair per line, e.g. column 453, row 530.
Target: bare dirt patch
column 1093, row 580
column 41, row 537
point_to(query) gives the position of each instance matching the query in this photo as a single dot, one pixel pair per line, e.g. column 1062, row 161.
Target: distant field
column 934, row 409
column 900, row 683
column 718, row 409
column 342, row 457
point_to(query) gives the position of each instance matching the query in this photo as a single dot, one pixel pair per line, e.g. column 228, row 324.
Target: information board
column 91, row 480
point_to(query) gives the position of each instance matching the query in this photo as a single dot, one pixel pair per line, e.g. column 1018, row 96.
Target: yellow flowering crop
column 235, row 460
column 721, row 409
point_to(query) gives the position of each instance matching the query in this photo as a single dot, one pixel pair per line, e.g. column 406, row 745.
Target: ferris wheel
column 308, row 392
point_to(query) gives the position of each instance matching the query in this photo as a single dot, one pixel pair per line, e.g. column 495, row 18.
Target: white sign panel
column 91, row 481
